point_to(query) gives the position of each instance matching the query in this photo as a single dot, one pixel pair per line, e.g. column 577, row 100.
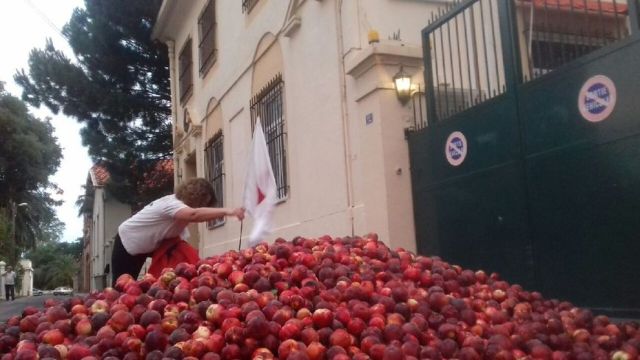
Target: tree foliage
column 84, row 203
column 38, row 222
column 117, row 86
column 29, row 155
column 55, row 264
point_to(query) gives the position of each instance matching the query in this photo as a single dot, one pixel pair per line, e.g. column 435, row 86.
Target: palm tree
column 27, row 230
column 62, row 271
column 35, row 219
column 84, row 203
column 55, row 264
column 5, row 233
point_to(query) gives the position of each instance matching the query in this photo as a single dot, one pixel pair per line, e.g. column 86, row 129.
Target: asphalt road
column 10, row 308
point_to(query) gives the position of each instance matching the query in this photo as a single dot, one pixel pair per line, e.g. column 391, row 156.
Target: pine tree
column 117, row 86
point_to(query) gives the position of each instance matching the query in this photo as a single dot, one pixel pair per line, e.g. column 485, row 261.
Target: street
column 10, row 308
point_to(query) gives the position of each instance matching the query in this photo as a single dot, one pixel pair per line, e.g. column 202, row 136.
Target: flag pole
column 240, row 242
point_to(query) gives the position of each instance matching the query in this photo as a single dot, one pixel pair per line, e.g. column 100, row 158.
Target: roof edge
column 98, row 181
column 92, row 177
column 162, row 20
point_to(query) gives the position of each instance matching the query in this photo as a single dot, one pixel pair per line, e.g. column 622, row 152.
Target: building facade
column 101, row 225
column 319, row 74
column 84, row 275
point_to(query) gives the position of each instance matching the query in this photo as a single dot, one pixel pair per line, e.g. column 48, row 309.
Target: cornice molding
column 383, row 53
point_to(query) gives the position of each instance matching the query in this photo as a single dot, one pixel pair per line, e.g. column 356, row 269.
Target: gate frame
column 513, row 71
column 511, row 57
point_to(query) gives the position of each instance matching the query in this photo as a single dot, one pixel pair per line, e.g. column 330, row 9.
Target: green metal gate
column 527, row 165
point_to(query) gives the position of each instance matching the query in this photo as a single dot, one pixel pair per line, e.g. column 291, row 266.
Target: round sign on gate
column 456, row 148
column 597, row 98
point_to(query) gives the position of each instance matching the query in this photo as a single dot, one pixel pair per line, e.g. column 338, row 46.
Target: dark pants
column 9, row 291
column 124, row 263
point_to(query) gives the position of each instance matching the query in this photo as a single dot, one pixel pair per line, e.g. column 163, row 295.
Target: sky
column 25, row 24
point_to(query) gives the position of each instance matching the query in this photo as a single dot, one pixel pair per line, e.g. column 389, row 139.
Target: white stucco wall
column 115, row 213
column 97, row 238
column 108, row 214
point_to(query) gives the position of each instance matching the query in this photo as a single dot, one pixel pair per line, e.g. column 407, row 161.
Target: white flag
column 259, row 187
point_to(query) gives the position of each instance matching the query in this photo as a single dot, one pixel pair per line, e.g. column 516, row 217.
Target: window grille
column 559, row 32
column 214, row 161
column 206, row 29
column 185, row 77
column 268, row 105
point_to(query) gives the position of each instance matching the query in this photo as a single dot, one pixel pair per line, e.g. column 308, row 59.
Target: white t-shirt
column 143, row 232
column 10, row 278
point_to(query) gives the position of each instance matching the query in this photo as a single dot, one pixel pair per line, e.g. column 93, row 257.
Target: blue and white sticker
column 597, row 98
column 456, row 148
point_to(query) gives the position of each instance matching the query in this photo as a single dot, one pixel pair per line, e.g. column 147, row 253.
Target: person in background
column 9, row 283
column 164, row 218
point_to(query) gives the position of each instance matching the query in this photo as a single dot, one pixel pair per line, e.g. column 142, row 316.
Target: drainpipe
column 345, row 115
column 103, row 238
column 171, row 52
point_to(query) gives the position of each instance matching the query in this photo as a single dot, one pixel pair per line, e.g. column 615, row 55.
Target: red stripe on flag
column 260, row 196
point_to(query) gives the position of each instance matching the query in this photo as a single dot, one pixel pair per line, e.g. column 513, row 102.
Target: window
column 268, row 105
column 559, row 32
column 206, row 28
column 549, row 52
column 247, row 5
column 214, row 162
column 185, row 78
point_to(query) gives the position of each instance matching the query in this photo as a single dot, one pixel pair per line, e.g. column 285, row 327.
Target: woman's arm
column 207, row 214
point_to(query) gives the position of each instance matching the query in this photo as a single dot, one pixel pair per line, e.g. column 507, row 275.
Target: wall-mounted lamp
column 402, row 83
column 186, row 121
column 373, row 36
column 14, row 210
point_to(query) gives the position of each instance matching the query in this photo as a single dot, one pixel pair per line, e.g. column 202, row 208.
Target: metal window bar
column 484, row 46
column 206, row 28
column 185, row 78
column 214, row 161
column 178, row 169
column 247, row 5
column 560, row 32
column 268, row 105
column 465, row 51
column 496, row 59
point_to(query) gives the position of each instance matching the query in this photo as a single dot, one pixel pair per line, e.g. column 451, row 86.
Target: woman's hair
column 196, row 192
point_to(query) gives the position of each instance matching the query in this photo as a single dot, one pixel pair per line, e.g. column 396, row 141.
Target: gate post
column 634, row 17
column 428, row 79
column 2, row 268
column 510, row 46
column 27, row 278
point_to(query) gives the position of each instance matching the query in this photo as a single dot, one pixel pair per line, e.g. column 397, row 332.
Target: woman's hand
column 238, row 213
column 207, row 214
